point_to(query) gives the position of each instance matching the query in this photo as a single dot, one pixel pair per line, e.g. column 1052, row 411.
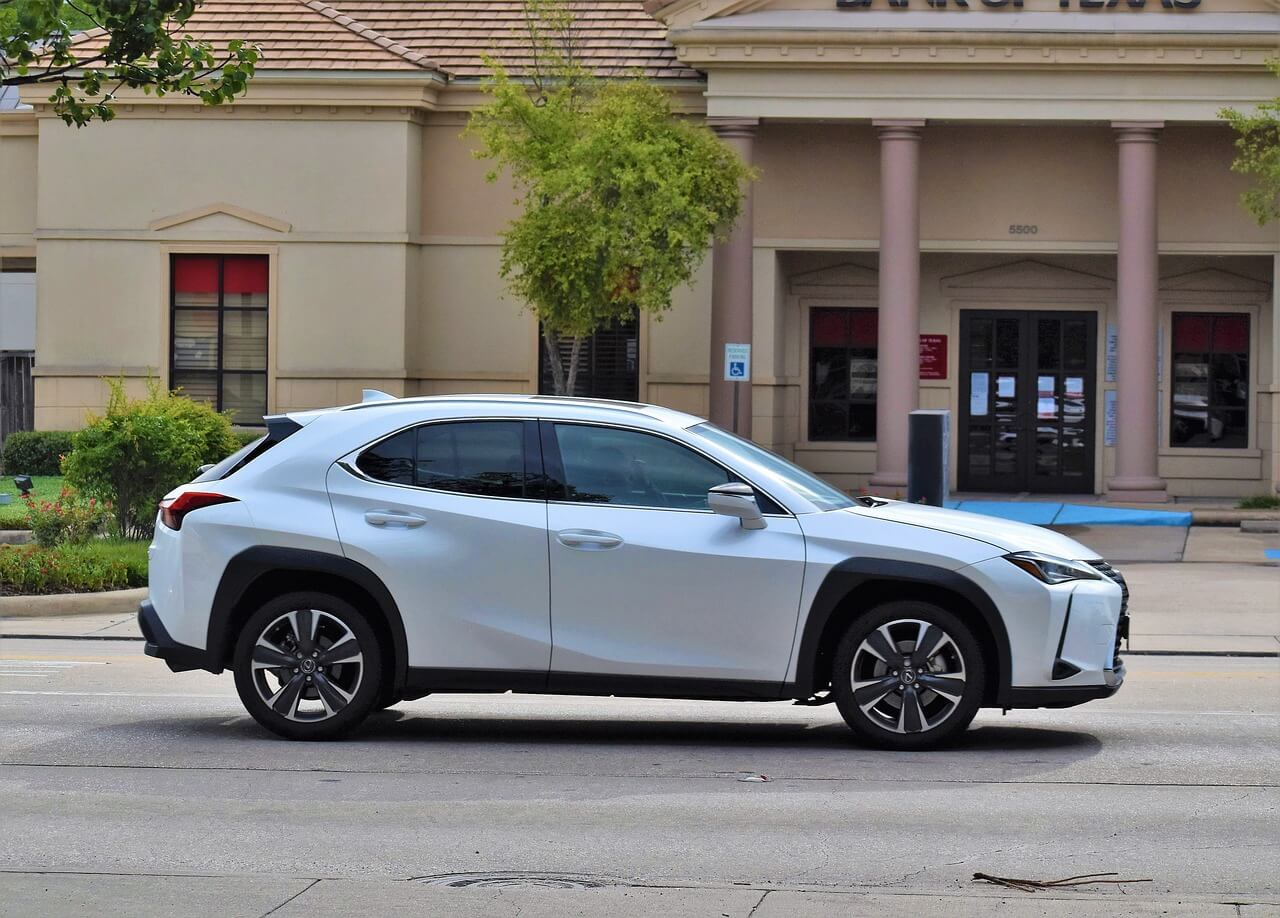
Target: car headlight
column 1049, row 569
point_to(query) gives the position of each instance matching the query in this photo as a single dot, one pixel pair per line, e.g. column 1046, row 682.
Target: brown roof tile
column 615, row 37
column 294, row 35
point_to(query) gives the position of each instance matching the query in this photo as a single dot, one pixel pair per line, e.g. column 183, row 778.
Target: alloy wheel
column 908, row 676
column 307, row 665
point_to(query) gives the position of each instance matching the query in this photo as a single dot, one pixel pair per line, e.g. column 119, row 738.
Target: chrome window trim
column 348, row 464
column 689, row 446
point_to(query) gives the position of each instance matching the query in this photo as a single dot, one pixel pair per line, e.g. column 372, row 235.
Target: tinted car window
column 391, row 460
column 484, row 458
column 604, row 465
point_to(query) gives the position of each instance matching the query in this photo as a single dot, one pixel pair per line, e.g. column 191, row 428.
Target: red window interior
column 195, row 274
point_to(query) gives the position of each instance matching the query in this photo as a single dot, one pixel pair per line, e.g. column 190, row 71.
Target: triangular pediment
column 220, row 216
column 1214, row 280
column 1027, row 274
column 842, row 275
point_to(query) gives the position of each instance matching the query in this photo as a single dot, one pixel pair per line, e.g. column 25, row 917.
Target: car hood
column 1003, row 534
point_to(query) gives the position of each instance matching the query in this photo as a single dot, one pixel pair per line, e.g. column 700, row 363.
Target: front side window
column 481, row 458
column 842, row 373
column 218, row 342
column 1210, row 380
column 605, row 465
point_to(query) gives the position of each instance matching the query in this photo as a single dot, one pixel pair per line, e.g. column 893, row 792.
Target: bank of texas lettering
column 1062, row 4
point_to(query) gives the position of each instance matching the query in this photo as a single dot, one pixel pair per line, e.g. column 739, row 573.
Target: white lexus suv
column 359, row 556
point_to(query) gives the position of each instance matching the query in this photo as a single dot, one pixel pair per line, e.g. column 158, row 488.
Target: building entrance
column 1027, row 382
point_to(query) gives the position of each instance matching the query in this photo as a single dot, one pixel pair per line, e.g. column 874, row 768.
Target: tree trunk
column 553, row 355
column 574, row 354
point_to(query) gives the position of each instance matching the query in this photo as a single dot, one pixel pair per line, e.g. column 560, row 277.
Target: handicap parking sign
column 737, row 362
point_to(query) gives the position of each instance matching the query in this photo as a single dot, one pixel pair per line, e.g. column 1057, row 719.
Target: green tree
column 145, row 48
column 1258, row 154
column 620, row 198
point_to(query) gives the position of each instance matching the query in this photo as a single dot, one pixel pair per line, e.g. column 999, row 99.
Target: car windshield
column 811, row 487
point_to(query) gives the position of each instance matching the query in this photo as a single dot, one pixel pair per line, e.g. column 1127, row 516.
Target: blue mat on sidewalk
column 1041, row 513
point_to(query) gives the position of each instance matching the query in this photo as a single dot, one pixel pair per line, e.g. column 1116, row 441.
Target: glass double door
column 1027, row 382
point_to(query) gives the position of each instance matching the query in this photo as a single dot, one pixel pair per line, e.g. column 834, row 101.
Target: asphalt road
column 125, row 787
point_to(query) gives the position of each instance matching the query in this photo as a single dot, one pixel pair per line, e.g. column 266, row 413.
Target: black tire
column 334, row 698
column 937, row 716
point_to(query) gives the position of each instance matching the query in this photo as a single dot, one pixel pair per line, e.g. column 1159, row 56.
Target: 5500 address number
column 1023, row 229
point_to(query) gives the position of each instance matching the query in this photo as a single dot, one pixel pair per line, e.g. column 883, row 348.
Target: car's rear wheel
column 308, row 666
column 908, row 675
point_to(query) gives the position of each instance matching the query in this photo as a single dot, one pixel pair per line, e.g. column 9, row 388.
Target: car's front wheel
column 308, row 666
column 908, row 675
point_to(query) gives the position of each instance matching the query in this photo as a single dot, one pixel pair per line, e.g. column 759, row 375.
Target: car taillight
column 174, row 509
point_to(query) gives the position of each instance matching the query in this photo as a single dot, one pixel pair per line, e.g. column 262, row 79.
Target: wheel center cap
column 908, row 677
column 308, row 666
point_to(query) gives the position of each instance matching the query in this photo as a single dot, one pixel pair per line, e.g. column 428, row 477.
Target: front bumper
column 1065, row 696
column 180, row 658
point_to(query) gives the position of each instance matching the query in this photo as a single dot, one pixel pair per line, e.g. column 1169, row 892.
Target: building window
column 1210, row 380
column 218, row 332
column 842, row 373
column 608, row 364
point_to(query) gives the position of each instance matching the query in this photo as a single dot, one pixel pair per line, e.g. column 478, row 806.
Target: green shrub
column 68, row 519
column 215, row 439
column 245, row 437
column 1260, row 502
column 137, row 451
column 98, row 565
column 35, row 452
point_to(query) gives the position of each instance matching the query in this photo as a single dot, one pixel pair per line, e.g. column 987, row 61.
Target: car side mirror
column 736, row 499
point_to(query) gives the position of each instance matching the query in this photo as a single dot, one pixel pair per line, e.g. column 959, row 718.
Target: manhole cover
column 514, row 879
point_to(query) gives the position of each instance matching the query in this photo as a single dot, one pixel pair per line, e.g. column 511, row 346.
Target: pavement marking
column 114, row 694
column 27, row 661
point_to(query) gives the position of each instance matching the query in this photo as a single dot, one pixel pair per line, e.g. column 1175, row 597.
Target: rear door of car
column 448, row 514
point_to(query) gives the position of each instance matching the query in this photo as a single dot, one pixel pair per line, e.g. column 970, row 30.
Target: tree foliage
column 1258, row 154
column 145, row 49
column 620, row 198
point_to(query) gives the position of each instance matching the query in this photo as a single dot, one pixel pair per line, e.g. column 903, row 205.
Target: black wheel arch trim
column 846, row 577
column 245, row 569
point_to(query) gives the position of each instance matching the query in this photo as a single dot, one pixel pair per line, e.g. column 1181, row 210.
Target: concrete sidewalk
column 1181, row 608
column 60, row 894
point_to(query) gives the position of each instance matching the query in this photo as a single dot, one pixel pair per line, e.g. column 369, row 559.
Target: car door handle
column 588, row 539
column 393, row 518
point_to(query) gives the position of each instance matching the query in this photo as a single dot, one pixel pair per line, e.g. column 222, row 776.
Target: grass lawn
column 13, row 514
column 103, row 564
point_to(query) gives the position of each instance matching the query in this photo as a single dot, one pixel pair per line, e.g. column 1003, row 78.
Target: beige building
column 1019, row 210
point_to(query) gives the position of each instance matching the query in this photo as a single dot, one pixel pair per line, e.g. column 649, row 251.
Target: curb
column 112, row 602
column 1230, row 517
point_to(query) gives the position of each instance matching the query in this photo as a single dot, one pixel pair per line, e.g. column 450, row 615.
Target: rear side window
column 482, row 458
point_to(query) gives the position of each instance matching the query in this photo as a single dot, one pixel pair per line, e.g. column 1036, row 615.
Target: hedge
column 102, row 564
column 36, row 452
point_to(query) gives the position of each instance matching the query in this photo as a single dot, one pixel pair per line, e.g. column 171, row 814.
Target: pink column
column 731, row 290
column 898, row 373
column 1137, row 285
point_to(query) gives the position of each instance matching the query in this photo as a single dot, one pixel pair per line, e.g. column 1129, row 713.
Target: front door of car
column 445, row 514
column 646, row 581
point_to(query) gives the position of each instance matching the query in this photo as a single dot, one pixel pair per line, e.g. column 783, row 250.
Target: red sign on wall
column 933, row 356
